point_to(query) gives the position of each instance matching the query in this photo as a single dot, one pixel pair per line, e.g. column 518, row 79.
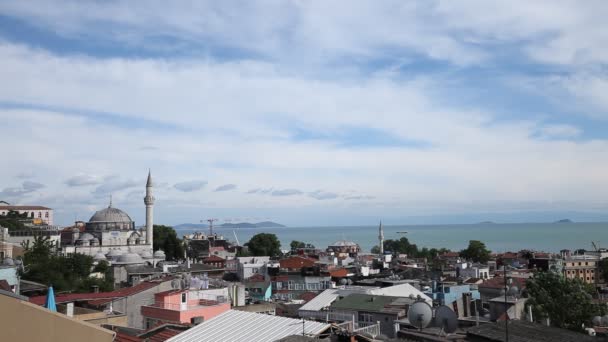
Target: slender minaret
column 381, row 238
column 149, row 201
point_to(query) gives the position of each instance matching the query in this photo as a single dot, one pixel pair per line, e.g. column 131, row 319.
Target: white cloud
column 234, row 120
column 190, row 186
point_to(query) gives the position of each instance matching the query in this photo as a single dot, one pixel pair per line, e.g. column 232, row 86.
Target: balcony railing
column 201, row 303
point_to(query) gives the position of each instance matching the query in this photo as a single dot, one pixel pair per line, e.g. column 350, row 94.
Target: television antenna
column 211, row 220
column 446, row 319
column 420, row 315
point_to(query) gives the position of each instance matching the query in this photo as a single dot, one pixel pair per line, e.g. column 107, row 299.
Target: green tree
column 299, row 244
column 401, row 246
column 375, row 250
column 165, row 238
column 476, row 252
column 264, row 244
column 566, row 302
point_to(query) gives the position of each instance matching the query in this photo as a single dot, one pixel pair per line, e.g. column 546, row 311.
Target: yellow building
column 584, row 267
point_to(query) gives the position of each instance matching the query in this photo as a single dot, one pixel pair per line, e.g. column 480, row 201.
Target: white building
column 469, row 270
column 44, row 214
column 249, row 266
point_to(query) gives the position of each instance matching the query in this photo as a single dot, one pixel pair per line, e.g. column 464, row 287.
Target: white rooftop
column 236, row 326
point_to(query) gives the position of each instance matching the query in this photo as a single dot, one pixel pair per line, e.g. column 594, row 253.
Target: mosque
column 111, row 235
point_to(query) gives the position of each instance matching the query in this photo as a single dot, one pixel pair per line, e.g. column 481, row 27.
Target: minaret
column 149, row 201
column 381, row 238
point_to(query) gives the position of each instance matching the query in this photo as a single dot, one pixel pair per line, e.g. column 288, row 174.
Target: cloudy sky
column 307, row 112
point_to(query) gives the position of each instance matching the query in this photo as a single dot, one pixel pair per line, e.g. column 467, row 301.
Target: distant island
column 265, row 224
column 564, row 221
column 487, row 222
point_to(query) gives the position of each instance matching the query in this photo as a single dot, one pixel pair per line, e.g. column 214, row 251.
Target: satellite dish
column 420, row 314
column 597, row 320
column 446, row 319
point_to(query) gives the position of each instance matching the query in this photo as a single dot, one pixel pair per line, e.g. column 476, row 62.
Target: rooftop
column 237, row 326
column 100, row 297
column 523, row 331
column 23, row 207
column 365, row 302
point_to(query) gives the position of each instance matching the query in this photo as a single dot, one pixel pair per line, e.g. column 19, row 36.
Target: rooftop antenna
column 110, row 206
column 446, row 319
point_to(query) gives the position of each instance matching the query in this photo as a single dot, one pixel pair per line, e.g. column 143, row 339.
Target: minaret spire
column 381, row 238
column 149, row 202
column 110, row 206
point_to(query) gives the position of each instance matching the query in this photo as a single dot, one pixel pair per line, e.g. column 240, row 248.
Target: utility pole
column 506, row 306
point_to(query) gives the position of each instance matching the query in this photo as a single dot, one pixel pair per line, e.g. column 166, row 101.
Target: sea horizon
column 498, row 237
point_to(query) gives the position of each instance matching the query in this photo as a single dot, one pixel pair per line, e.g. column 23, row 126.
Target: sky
column 307, row 112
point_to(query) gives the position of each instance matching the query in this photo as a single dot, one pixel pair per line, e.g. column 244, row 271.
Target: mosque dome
column 146, row 254
column 343, row 243
column 110, row 219
column 99, row 256
column 130, row 258
column 110, row 214
column 114, row 253
column 159, row 254
column 86, row 236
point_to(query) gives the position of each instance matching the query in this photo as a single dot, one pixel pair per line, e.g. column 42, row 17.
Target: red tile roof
column 98, row 298
column 308, row 296
column 296, row 262
column 4, row 285
column 122, row 337
column 499, row 282
column 23, row 207
column 256, row 278
column 213, row 258
column 339, row 273
column 163, row 335
column 450, row 255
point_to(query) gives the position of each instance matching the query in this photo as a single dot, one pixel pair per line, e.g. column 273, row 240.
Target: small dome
column 110, row 215
column 75, row 230
column 115, row 253
column 129, row 258
column 159, row 254
column 146, row 254
column 8, row 262
column 99, row 256
column 343, row 243
column 87, row 236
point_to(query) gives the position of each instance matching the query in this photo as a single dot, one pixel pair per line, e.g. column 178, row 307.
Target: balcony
column 183, row 312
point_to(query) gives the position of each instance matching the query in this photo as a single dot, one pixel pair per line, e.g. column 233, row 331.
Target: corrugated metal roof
column 324, row 299
column 238, row 326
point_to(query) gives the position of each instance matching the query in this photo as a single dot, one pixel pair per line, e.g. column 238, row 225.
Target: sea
column 498, row 237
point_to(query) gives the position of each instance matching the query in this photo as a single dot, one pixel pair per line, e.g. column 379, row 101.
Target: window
column 366, row 318
column 586, row 263
column 579, row 263
column 46, row 215
column 39, row 214
column 184, row 295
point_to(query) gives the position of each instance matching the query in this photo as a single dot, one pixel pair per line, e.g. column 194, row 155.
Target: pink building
column 183, row 306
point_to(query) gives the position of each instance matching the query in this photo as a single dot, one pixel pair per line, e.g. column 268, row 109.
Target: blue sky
column 307, row 113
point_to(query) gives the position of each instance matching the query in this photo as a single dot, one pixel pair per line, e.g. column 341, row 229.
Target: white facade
column 249, row 266
column 468, row 270
column 33, row 211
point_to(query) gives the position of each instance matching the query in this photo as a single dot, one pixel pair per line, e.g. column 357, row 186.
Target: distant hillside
column 564, row 221
column 202, row 226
